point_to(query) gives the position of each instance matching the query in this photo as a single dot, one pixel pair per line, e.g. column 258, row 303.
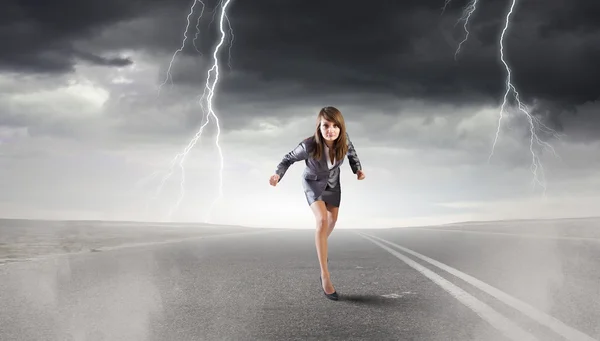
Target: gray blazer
column 317, row 174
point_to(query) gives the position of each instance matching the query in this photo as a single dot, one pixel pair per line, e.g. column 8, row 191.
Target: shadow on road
column 366, row 299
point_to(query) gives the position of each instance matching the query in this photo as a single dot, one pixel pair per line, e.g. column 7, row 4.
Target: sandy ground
column 564, row 228
column 26, row 239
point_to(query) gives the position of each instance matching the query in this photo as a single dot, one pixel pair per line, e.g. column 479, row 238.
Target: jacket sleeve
column 353, row 159
column 297, row 154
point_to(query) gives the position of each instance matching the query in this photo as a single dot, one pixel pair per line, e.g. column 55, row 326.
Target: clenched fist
column 274, row 179
column 360, row 175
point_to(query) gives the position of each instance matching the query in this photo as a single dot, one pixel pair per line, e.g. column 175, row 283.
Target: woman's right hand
column 274, row 179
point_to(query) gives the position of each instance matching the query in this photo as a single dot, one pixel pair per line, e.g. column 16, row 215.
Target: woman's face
column 329, row 130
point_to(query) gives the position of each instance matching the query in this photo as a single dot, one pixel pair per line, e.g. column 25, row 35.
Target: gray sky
column 85, row 133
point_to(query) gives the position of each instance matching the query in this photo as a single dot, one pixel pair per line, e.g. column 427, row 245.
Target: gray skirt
column 331, row 195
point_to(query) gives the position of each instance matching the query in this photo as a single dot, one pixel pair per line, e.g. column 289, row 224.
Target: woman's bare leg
column 320, row 211
column 332, row 215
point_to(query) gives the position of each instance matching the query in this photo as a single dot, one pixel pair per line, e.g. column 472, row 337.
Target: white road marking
column 554, row 324
column 392, row 296
column 519, row 235
column 497, row 320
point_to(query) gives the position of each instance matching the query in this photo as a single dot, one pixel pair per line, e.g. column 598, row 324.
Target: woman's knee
column 332, row 215
column 331, row 221
column 322, row 223
column 320, row 211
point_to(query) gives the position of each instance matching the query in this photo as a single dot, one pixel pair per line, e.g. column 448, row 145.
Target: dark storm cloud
column 403, row 49
column 407, row 48
column 38, row 35
column 98, row 60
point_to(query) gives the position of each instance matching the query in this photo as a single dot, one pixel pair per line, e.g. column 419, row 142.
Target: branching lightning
column 537, row 168
column 185, row 37
column 206, row 104
column 446, row 3
column 468, row 11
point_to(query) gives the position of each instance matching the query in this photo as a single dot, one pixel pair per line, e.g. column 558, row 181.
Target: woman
column 323, row 153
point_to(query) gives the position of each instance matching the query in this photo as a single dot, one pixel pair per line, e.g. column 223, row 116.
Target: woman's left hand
column 360, row 175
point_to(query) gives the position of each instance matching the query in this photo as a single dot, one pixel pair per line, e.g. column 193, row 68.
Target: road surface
column 461, row 282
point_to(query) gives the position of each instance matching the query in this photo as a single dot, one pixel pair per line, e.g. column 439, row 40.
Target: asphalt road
column 489, row 283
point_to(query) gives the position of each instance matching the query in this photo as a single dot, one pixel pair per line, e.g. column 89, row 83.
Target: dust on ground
column 26, row 239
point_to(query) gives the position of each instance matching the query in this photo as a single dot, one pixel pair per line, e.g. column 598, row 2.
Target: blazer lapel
column 323, row 161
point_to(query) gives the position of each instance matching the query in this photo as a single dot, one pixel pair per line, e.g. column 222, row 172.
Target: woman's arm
column 353, row 159
column 297, row 154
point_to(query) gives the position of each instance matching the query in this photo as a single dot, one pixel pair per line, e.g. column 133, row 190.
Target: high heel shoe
column 333, row 296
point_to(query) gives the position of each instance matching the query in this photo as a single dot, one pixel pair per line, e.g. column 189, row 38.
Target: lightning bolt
column 536, row 168
column 185, row 37
column 207, row 98
column 468, row 11
column 446, row 3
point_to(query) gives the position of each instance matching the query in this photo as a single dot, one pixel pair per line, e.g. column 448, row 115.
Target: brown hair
column 340, row 145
